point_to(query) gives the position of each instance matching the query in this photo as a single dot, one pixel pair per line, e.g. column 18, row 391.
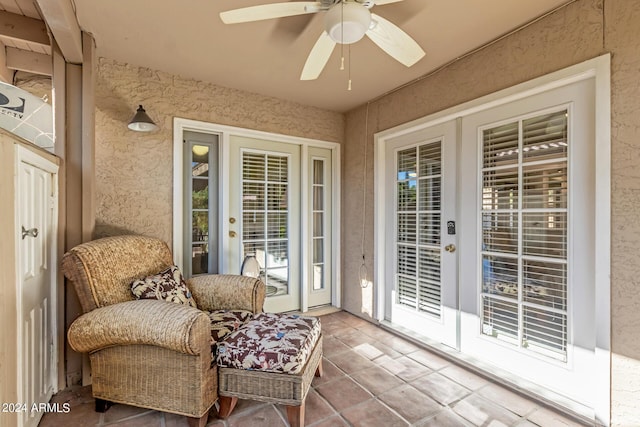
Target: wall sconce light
column 141, row 122
column 200, row 150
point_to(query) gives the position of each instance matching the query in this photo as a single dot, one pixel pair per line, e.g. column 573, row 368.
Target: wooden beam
column 22, row 28
column 61, row 19
column 6, row 75
column 23, row 60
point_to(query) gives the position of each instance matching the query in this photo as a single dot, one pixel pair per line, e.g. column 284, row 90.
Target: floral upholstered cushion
column 168, row 285
column 271, row 342
column 224, row 322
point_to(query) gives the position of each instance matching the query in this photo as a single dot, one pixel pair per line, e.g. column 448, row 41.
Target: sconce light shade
column 141, row 122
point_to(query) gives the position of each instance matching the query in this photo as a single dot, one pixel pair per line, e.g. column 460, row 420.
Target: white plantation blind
column 418, row 224
column 524, row 233
column 265, row 211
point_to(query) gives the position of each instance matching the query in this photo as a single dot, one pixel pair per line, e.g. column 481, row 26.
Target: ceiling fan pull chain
column 342, row 37
column 349, row 52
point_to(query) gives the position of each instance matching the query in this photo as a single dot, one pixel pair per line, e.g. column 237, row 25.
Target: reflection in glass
column 200, row 259
column 525, row 233
column 418, row 227
column 265, row 217
column 318, row 277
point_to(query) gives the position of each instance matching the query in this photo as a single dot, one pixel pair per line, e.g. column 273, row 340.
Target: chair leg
column 198, row 422
column 295, row 415
column 102, row 405
column 226, row 405
column 319, row 369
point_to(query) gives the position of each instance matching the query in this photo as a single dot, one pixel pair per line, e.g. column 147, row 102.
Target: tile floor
column 371, row 378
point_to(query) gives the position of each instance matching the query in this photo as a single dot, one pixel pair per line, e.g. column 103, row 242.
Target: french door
column 527, row 289
column 281, row 212
column 421, row 255
column 501, row 265
column 264, row 215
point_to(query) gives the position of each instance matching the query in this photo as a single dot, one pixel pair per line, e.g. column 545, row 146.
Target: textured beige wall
column 134, row 170
column 580, row 31
column 622, row 39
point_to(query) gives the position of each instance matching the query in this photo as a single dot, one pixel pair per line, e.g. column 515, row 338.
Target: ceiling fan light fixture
column 347, row 23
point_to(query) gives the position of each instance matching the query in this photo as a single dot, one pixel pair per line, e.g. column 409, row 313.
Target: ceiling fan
column 346, row 22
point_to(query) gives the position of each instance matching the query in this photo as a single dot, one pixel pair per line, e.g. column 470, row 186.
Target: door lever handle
column 32, row 232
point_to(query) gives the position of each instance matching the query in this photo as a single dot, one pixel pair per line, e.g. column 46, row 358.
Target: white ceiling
column 189, row 39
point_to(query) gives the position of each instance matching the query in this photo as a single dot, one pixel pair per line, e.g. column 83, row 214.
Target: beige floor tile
column 265, row 416
column 350, row 362
column 343, row 393
column 372, row 414
column 508, row 399
column 440, row 388
column 410, row 403
column 547, row 417
column 464, row 377
column 377, row 380
column 405, row 368
column 481, row 412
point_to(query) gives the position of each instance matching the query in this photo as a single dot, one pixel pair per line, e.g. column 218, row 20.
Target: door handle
column 32, row 232
column 450, row 248
column 232, row 234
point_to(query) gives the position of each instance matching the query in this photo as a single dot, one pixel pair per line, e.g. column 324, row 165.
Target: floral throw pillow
column 168, row 285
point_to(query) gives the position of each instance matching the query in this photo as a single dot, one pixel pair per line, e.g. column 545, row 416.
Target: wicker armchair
column 149, row 353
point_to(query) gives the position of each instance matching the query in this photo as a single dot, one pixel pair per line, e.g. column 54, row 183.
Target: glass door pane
column 524, row 233
column 265, row 230
column 418, row 223
column 200, row 203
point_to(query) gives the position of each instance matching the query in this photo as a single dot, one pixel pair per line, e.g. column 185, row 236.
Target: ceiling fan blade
column 394, row 41
column 318, row 57
column 269, row 11
column 382, row 2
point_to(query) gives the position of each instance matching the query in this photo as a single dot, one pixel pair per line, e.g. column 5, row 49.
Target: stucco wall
column 134, row 170
column 582, row 30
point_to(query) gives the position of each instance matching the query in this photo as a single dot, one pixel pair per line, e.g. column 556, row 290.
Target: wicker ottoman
column 272, row 358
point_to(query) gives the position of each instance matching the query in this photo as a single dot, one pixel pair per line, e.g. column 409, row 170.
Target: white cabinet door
column 36, row 213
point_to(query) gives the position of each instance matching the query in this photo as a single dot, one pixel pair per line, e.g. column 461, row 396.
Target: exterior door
column 37, row 213
column 421, row 257
column 528, row 287
column 264, row 216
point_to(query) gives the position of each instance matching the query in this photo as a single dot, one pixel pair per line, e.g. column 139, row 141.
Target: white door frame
column 225, row 132
column 598, row 69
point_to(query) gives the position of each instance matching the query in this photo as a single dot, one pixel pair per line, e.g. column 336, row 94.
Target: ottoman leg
column 198, row 422
column 226, row 406
column 295, row 415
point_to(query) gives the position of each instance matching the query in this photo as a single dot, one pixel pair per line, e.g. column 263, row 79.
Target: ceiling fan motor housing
column 347, row 22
